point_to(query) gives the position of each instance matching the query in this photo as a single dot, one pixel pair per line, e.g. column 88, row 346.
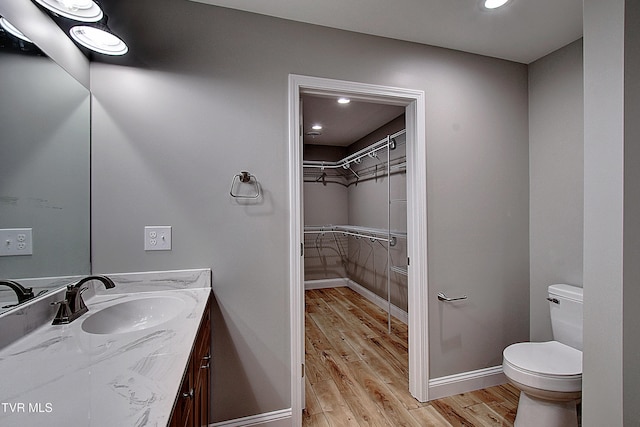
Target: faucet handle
column 73, row 305
column 64, row 312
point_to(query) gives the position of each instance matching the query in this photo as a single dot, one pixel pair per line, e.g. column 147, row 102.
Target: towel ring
column 244, row 177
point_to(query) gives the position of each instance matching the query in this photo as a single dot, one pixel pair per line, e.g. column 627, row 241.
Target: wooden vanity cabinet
column 192, row 404
column 201, row 372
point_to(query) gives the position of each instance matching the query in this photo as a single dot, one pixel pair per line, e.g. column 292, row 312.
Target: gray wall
column 368, row 260
column 368, row 207
column 172, row 127
column 555, row 178
column 324, row 205
column 612, row 206
column 478, row 212
column 631, row 347
column 604, row 142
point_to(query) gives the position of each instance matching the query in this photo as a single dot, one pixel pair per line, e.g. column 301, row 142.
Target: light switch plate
column 16, row 241
column 157, row 238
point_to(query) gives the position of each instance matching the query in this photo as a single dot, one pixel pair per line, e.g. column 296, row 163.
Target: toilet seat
column 551, row 366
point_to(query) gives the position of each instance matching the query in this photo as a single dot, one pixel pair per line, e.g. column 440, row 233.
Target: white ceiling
column 521, row 31
column 343, row 124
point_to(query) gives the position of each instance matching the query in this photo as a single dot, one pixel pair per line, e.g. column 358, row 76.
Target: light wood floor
column 357, row 373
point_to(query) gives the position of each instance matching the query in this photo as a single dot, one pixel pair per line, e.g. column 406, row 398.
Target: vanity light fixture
column 9, row 28
column 343, row 100
column 98, row 39
column 93, row 34
column 78, row 10
column 494, row 4
column 316, row 127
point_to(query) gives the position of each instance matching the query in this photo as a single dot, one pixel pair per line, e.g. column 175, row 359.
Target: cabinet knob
column 188, row 395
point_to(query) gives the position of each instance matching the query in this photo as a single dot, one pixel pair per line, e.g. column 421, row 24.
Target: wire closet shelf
column 388, row 142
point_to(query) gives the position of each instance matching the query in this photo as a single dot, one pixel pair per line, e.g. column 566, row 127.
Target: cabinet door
column 201, row 406
column 202, row 368
column 183, row 411
column 192, row 405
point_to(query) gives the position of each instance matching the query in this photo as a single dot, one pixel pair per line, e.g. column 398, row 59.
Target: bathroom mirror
column 44, row 178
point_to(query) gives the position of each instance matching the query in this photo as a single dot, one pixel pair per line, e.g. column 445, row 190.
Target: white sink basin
column 133, row 315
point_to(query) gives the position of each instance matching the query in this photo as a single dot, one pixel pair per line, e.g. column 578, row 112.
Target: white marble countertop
column 63, row 376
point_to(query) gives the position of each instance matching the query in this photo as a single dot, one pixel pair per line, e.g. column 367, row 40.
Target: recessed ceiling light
column 494, row 4
column 78, row 10
column 98, row 40
column 343, row 100
column 9, row 28
column 316, row 127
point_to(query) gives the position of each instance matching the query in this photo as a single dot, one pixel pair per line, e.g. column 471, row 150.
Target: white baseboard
column 465, row 382
column 325, row 283
column 396, row 312
column 281, row 418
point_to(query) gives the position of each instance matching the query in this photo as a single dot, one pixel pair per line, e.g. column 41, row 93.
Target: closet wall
column 324, row 204
column 362, row 203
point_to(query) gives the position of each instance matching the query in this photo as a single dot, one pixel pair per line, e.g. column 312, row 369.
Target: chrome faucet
column 73, row 305
column 23, row 294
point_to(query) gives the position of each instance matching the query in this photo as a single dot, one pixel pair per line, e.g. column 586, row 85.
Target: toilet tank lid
column 566, row 291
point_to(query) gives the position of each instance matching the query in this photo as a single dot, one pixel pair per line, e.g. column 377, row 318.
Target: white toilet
column 549, row 374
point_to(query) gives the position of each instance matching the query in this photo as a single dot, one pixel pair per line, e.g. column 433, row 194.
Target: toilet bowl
column 549, row 374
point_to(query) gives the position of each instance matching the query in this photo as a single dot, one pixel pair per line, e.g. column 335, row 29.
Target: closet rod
column 352, row 228
column 345, row 162
column 357, row 231
column 348, row 233
column 320, row 176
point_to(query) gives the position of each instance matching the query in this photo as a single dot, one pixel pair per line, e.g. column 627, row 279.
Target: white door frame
column 414, row 100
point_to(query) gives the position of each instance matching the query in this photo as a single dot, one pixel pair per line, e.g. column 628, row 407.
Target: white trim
column 465, row 382
column 254, row 420
column 326, row 283
column 417, row 283
column 296, row 239
column 396, row 311
column 414, row 101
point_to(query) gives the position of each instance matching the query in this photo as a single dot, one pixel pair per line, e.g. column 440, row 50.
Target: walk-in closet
column 355, row 242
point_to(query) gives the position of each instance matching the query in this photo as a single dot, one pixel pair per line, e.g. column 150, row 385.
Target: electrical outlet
column 157, row 238
column 16, row 241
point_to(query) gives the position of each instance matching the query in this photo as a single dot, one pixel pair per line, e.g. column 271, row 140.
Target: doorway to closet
column 355, row 199
column 358, row 209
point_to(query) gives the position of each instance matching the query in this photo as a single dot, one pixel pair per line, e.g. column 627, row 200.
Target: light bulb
column 8, row 27
column 98, row 40
column 78, row 10
column 494, row 4
column 74, row 5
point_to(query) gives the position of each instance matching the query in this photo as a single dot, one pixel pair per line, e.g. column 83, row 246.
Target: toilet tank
column 565, row 303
